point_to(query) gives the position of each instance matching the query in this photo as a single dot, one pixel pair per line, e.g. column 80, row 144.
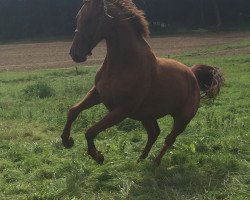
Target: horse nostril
column 76, row 55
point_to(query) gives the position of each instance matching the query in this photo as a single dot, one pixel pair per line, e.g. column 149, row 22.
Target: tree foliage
column 29, row 18
column 197, row 13
column 35, row 18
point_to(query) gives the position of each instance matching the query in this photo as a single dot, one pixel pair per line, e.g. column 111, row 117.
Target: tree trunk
column 202, row 16
column 217, row 12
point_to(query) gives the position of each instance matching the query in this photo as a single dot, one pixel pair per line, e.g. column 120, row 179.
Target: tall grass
column 210, row 160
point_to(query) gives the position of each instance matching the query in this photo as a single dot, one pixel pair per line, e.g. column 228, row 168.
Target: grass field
column 210, row 160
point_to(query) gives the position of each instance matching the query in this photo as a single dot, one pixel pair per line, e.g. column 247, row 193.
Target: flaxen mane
column 132, row 13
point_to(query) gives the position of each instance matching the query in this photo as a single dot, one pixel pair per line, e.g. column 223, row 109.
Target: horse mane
column 131, row 13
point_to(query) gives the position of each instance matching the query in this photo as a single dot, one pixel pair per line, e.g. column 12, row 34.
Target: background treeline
column 44, row 18
column 174, row 14
column 36, row 18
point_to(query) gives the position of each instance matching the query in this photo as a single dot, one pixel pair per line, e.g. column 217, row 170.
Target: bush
column 39, row 90
column 129, row 125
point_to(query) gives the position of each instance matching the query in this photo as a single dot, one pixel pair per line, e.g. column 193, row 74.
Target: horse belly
column 157, row 106
column 116, row 93
column 168, row 95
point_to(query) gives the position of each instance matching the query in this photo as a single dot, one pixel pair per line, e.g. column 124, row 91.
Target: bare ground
column 15, row 57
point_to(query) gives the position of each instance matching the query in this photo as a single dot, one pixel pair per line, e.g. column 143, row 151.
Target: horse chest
column 105, row 91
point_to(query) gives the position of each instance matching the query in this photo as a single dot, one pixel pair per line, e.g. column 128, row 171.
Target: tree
column 217, row 12
column 36, row 18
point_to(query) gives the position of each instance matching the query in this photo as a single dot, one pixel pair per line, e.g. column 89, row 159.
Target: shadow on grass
column 184, row 180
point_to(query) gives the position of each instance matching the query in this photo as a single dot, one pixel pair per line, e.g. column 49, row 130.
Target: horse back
column 177, row 79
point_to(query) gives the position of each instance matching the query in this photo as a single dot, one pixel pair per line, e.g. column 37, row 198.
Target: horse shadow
column 170, row 182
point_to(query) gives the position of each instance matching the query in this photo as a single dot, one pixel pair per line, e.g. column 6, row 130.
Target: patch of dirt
column 15, row 57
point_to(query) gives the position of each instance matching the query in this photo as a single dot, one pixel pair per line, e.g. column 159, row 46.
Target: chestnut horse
column 133, row 82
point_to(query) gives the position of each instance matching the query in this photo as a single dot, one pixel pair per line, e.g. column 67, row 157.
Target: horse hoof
column 99, row 158
column 68, row 143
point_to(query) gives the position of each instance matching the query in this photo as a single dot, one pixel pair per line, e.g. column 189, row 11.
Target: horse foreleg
column 111, row 119
column 91, row 99
column 179, row 126
column 153, row 131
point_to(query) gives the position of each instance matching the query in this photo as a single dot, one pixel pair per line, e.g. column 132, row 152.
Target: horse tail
column 209, row 79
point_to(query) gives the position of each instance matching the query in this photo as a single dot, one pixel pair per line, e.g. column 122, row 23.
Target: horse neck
column 125, row 46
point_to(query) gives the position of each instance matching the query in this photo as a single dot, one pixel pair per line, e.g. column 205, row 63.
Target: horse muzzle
column 79, row 57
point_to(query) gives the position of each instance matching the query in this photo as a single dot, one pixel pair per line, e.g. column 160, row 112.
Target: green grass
column 210, row 160
column 215, row 49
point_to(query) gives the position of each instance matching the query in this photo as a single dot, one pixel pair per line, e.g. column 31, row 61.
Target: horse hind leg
column 180, row 124
column 153, row 131
column 91, row 99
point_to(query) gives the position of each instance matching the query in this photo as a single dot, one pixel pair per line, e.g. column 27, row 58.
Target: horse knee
column 90, row 134
column 170, row 139
column 72, row 113
column 180, row 125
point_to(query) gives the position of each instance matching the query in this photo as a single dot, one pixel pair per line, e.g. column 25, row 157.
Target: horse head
column 97, row 20
column 91, row 22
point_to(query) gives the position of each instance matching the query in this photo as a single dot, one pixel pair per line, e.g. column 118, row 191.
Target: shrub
column 39, row 90
column 128, row 125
